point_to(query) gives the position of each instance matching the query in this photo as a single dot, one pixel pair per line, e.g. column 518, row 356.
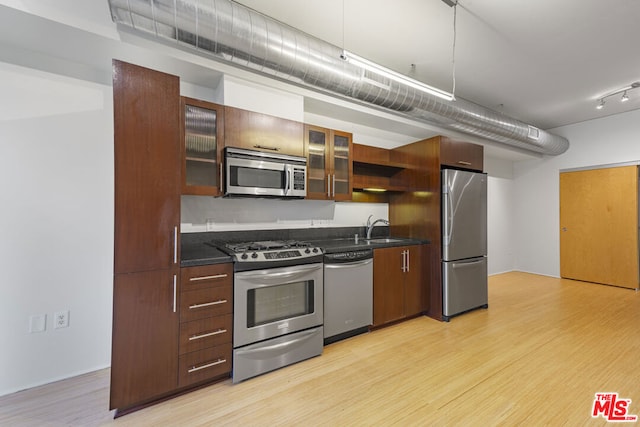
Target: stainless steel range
column 278, row 305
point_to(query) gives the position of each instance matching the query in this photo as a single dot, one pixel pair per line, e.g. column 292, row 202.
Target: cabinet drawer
column 206, row 276
column 205, row 333
column 204, row 303
column 204, row 364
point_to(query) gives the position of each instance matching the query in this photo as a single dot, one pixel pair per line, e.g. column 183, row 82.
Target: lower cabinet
column 400, row 288
column 170, row 331
column 206, row 322
column 144, row 361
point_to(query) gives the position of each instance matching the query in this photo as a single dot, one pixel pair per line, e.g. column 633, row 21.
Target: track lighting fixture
column 624, row 91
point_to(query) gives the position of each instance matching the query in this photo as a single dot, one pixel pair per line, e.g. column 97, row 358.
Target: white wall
column 56, row 228
column 500, row 237
column 219, row 214
column 613, row 139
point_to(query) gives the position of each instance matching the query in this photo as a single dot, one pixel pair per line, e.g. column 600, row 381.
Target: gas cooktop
column 271, row 253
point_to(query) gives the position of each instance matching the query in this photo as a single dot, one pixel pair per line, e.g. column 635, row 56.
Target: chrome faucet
column 371, row 224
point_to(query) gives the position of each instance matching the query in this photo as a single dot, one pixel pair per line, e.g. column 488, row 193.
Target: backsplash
column 200, row 213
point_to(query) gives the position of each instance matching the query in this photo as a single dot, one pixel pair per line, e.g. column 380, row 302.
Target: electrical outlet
column 61, row 319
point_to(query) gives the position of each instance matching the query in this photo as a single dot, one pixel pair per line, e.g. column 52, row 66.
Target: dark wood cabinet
column 144, row 361
column 460, row 154
column 147, row 165
column 416, row 214
column 202, row 136
column 262, row 132
column 329, row 163
column 400, row 288
column 206, row 323
column 146, row 248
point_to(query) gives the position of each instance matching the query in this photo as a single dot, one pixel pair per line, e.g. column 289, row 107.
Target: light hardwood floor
column 536, row 357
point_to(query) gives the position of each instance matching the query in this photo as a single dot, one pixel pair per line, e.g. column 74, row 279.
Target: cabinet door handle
column 175, row 245
column 462, row 162
column 408, row 261
column 208, row 365
column 334, row 185
column 210, row 334
column 215, row 276
column 175, row 293
column 264, row 147
column 404, row 261
column 207, row 304
column 329, row 186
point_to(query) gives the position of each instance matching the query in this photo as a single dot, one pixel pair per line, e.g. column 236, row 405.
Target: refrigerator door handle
column 462, row 264
column 448, row 210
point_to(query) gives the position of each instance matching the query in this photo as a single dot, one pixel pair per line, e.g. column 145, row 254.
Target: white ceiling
column 543, row 62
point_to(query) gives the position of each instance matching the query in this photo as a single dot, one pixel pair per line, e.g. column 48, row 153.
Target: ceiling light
column 624, row 91
column 395, row 76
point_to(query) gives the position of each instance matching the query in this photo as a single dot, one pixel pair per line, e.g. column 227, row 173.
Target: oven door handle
column 266, row 275
column 278, row 348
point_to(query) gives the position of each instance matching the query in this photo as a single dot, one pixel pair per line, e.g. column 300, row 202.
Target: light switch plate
column 37, row 323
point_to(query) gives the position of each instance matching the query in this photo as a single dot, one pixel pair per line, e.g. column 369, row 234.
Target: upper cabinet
column 256, row 131
column 461, row 154
column 202, row 133
column 329, row 166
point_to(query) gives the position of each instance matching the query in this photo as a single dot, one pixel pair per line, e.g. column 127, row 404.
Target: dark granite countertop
column 196, row 250
column 200, row 253
column 331, row 246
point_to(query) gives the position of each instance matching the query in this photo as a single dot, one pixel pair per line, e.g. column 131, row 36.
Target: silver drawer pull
column 208, row 304
column 216, row 276
column 210, row 334
column 208, row 365
column 462, row 162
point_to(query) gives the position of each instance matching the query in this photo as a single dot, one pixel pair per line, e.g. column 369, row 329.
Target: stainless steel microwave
column 260, row 174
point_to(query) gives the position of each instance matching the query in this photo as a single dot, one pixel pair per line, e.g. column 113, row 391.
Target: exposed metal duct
column 241, row 36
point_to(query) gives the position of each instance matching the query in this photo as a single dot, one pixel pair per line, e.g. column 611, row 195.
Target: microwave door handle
column 287, row 183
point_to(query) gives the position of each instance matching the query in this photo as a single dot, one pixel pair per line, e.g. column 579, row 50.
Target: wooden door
column 262, row 132
column 147, row 158
column 415, row 283
column 388, row 285
column 316, row 146
column 144, row 357
column 599, row 226
column 341, row 165
column 202, row 133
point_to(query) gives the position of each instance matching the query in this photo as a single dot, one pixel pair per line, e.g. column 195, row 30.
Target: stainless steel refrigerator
column 464, row 241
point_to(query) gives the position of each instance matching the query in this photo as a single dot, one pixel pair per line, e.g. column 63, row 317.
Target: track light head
column 624, row 91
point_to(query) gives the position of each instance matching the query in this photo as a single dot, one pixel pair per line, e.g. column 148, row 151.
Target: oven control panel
column 262, row 256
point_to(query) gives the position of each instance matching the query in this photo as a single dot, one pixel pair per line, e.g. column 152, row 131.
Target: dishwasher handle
column 352, row 264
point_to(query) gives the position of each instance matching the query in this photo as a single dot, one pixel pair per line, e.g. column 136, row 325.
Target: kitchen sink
column 384, row 240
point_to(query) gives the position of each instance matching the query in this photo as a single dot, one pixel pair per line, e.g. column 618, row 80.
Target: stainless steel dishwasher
column 348, row 294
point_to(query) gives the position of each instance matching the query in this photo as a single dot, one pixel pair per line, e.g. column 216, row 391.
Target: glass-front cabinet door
column 317, row 151
column 342, row 165
column 329, row 167
column 202, row 134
